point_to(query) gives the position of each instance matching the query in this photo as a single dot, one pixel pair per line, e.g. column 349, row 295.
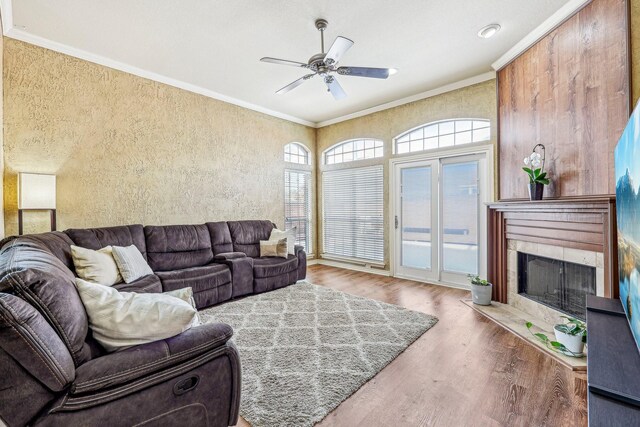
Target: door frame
column 488, row 151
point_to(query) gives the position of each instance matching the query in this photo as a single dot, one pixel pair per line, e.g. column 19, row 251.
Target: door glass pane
column 460, row 221
column 416, row 217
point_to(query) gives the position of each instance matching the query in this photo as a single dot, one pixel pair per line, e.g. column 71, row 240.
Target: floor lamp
column 36, row 192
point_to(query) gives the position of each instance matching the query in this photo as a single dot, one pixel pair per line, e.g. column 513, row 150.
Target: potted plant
column 571, row 337
column 534, row 167
column 480, row 290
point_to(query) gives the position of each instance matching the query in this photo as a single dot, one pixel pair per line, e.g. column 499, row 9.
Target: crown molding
column 10, row 31
column 24, row 36
column 565, row 12
column 417, row 97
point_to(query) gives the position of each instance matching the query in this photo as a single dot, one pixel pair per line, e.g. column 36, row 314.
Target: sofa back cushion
column 246, row 235
column 174, row 247
column 30, row 340
column 29, row 270
column 220, row 237
column 98, row 238
column 57, row 242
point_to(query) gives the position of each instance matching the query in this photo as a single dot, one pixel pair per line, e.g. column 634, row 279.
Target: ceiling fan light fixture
column 489, row 31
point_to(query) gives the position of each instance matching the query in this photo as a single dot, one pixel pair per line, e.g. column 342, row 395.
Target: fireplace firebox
column 558, row 284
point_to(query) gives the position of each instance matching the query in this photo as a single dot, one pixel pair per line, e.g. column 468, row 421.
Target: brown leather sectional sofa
column 52, row 372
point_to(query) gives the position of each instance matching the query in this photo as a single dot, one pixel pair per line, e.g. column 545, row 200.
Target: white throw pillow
column 186, row 295
column 96, row 266
column 290, row 235
column 130, row 262
column 124, row 319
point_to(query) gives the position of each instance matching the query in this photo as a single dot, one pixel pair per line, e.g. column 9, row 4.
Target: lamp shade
column 36, row 191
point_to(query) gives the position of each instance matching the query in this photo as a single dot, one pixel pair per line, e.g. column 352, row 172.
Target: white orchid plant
column 534, row 166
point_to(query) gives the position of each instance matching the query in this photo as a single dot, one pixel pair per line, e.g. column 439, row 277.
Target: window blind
column 353, row 213
column 297, row 205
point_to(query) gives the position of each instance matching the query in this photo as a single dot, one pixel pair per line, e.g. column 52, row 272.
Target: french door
column 439, row 218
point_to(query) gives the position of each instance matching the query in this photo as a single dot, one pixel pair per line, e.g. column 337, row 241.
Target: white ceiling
column 214, row 46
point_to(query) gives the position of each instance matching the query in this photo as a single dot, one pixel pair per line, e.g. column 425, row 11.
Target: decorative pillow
column 290, row 235
column 276, row 248
column 125, row 319
column 186, row 295
column 130, row 262
column 96, row 266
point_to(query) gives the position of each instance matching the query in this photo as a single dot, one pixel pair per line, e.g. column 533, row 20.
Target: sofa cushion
column 246, row 235
column 57, row 242
column 31, row 341
column 96, row 238
column 174, row 247
column 220, row 237
column 146, row 284
column 198, row 278
column 34, row 274
column 274, row 266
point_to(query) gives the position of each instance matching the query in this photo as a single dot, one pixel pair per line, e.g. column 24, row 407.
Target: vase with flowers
column 534, row 168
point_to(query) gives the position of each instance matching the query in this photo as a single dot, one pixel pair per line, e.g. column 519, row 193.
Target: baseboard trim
column 348, row 266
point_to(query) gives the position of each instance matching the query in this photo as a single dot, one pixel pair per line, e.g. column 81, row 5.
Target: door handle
column 397, row 222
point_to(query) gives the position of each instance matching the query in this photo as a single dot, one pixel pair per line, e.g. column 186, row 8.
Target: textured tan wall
column 477, row 101
column 130, row 150
column 1, row 135
column 635, row 50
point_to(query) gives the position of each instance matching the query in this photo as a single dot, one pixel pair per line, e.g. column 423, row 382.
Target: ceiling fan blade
column 338, row 48
column 284, row 62
column 294, row 84
column 335, row 88
column 376, row 73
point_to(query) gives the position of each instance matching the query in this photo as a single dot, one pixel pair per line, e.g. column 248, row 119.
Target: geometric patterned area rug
column 305, row 348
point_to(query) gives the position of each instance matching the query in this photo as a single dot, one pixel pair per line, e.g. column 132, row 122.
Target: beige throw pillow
column 96, row 266
column 186, row 295
column 124, row 319
column 277, row 248
column 131, row 263
column 290, row 235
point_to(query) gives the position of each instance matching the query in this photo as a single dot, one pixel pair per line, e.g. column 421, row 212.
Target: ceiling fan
column 325, row 64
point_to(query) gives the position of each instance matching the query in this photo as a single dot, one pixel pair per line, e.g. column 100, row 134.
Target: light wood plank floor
column 465, row 371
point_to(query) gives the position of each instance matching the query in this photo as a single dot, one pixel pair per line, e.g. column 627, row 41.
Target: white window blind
column 353, row 213
column 297, row 205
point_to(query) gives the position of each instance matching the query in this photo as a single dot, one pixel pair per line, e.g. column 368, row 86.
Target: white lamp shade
column 36, row 191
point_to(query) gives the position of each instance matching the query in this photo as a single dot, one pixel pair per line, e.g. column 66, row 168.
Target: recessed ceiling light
column 489, row 31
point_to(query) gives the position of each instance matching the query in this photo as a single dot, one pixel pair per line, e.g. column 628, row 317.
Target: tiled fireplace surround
column 577, row 230
column 577, row 256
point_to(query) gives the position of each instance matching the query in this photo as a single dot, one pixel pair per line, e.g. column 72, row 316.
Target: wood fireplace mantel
column 586, row 223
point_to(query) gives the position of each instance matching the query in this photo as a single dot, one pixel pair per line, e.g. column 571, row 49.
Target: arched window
column 446, row 133
column 352, row 150
column 296, row 153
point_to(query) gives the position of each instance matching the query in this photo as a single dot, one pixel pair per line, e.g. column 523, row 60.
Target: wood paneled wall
column 570, row 92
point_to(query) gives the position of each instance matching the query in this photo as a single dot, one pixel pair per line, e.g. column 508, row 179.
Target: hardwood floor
column 465, row 371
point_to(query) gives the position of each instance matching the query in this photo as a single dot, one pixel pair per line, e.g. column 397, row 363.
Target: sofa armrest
column 241, row 267
column 136, row 362
column 225, row 256
column 302, row 262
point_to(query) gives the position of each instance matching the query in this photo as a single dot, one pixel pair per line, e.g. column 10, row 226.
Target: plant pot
column 572, row 342
column 481, row 295
column 536, row 191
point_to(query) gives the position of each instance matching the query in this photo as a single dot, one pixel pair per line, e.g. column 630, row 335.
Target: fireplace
column 558, row 284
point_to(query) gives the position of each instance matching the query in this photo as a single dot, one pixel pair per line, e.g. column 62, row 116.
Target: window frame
column 378, row 144
column 300, row 146
column 309, row 229
column 454, row 121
